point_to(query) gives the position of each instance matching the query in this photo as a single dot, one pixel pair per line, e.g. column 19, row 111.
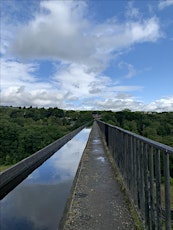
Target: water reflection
column 38, row 202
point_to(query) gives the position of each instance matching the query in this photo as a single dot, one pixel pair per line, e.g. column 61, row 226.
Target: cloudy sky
column 105, row 55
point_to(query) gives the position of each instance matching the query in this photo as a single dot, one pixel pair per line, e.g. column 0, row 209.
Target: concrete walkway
column 97, row 202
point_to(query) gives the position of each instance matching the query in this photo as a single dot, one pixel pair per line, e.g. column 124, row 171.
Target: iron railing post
column 158, row 190
column 151, row 167
column 140, row 163
column 167, row 191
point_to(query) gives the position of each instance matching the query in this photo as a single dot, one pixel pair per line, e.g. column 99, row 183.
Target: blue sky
column 98, row 55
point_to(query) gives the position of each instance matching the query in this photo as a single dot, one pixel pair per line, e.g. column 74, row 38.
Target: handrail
column 163, row 147
column 142, row 163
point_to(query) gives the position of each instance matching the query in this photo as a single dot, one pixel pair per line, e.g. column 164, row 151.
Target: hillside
column 26, row 130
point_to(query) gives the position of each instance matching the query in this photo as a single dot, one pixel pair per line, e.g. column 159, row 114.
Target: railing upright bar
column 116, row 146
column 167, row 191
column 112, row 141
column 158, row 190
column 121, row 153
column 135, row 172
column 115, row 143
column 138, row 172
column 126, row 162
column 131, row 164
column 140, row 163
column 143, row 163
column 106, row 134
column 151, row 166
column 119, row 150
column 147, row 212
column 142, row 175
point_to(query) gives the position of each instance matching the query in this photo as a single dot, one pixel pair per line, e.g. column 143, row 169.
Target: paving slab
column 97, row 201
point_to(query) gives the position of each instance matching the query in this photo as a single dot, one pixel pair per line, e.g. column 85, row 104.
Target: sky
column 87, row 54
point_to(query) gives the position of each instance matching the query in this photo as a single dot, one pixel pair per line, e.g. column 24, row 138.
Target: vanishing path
column 97, row 201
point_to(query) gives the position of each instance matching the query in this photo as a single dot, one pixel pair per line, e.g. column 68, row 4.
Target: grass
column 4, row 167
column 163, row 195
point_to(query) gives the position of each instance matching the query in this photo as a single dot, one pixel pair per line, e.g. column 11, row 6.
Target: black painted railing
column 144, row 165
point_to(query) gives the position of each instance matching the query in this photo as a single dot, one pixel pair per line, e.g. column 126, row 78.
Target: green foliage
column 170, row 178
column 171, row 181
column 155, row 126
column 26, row 130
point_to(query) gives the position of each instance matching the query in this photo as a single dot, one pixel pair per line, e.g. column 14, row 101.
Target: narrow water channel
column 38, row 202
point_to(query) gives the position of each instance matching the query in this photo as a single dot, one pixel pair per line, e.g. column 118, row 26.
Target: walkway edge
column 73, row 188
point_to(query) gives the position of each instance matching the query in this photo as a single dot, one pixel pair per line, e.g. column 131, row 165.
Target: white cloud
column 163, row 104
column 70, row 84
column 71, row 87
column 62, row 31
column 75, row 80
column 13, row 16
column 19, row 86
column 14, row 72
column 58, row 33
column 131, row 11
column 79, row 81
column 21, row 96
column 65, row 33
column 123, row 101
column 148, row 31
column 164, row 4
column 120, row 102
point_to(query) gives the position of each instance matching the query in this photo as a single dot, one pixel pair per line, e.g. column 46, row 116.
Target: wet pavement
column 97, row 201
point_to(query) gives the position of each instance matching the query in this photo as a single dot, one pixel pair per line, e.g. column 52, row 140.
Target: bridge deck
column 97, row 202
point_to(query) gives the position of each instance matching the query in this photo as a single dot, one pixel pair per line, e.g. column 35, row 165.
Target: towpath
column 97, row 202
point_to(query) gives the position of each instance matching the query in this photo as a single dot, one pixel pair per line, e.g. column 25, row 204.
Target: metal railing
column 144, row 165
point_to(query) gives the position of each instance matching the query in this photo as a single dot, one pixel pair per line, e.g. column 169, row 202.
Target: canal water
column 38, row 202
